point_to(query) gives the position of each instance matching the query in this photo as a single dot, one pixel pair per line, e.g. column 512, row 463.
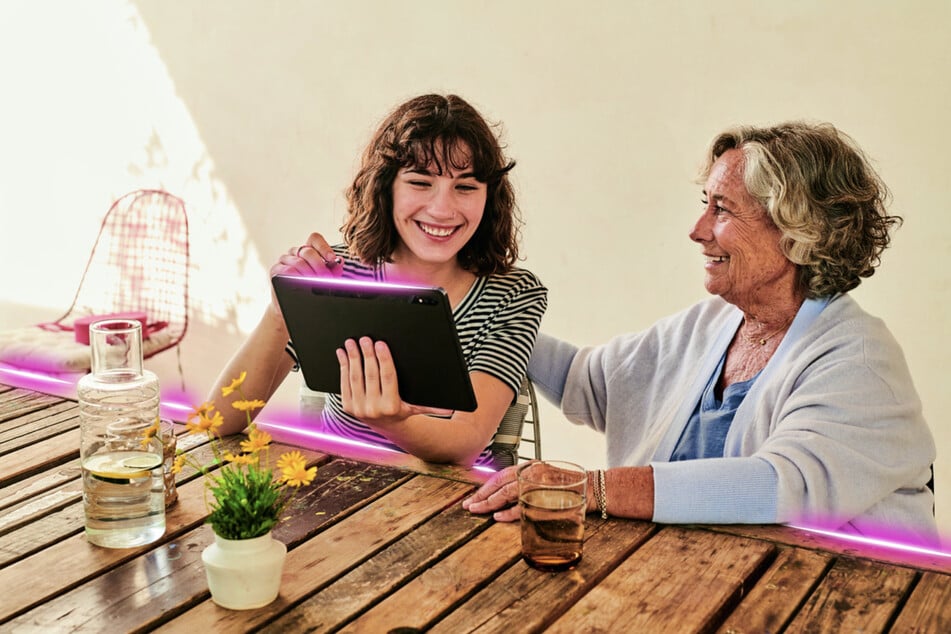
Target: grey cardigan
column 831, row 433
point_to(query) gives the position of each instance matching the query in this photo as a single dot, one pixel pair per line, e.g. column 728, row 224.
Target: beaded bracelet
column 600, row 492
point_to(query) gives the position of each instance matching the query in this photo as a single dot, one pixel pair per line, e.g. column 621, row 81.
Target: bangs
column 449, row 154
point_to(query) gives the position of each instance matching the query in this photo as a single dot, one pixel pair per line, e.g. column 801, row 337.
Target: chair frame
column 125, row 203
column 533, row 422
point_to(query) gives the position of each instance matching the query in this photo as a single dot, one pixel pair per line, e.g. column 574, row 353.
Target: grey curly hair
column 820, row 190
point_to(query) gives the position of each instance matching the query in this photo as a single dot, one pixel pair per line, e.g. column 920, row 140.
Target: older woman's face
column 744, row 264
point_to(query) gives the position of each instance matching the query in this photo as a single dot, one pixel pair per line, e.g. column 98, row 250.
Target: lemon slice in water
column 122, row 464
column 144, row 461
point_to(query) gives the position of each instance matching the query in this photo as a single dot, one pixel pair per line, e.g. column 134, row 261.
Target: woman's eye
column 467, row 188
column 419, row 183
column 717, row 209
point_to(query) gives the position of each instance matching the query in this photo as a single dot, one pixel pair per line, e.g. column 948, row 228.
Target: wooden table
column 377, row 548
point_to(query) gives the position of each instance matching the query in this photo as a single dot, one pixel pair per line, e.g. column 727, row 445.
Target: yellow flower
column 257, row 440
column 291, row 460
column 241, row 458
column 149, row 433
column 249, row 495
column 248, row 406
column 296, row 475
column 202, row 420
column 235, row 384
column 203, row 410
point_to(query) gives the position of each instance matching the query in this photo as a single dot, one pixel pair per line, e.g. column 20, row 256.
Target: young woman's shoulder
column 517, row 278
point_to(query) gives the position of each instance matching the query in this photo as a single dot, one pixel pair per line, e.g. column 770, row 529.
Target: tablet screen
column 415, row 322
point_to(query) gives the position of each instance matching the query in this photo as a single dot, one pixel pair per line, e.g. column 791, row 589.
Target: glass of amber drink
column 552, row 499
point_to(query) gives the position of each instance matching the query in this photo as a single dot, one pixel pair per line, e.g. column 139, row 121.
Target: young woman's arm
column 263, row 355
column 266, row 362
column 369, row 391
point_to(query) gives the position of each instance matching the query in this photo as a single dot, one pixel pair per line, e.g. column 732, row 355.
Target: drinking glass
column 553, row 501
column 169, row 443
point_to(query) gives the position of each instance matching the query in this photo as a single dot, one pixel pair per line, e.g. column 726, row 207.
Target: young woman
column 431, row 204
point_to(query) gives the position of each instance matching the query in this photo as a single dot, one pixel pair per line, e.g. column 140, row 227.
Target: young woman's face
column 436, row 214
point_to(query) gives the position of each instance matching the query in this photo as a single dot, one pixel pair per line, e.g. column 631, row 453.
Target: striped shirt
column 496, row 321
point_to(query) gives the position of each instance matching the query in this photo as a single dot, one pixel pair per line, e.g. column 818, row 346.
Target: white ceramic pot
column 244, row 573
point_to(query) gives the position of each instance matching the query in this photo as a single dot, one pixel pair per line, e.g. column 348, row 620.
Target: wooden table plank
column 39, row 457
column 430, row 595
column 657, row 588
column 911, row 555
column 18, row 402
column 926, row 610
column 33, row 507
column 334, row 552
column 779, row 593
column 38, row 425
column 404, row 559
column 341, row 487
column 526, row 600
column 36, row 536
column 39, row 483
column 855, row 596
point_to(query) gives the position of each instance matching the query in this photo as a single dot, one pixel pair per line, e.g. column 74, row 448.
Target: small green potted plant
column 244, row 564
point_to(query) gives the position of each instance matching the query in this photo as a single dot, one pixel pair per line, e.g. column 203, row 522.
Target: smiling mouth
column 436, row 232
column 717, row 259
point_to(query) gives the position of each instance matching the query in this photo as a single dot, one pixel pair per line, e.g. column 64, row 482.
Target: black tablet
column 415, row 322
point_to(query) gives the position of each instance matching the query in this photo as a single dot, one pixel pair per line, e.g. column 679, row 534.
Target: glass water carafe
column 123, row 484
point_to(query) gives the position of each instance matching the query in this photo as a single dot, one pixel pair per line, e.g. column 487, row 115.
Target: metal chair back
column 139, row 263
column 522, row 414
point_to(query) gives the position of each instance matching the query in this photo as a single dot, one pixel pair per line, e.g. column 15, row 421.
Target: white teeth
column 435, row 231
column 719, row 258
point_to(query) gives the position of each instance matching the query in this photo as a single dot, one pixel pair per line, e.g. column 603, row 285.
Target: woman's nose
column 701, row 232
column 443, row 202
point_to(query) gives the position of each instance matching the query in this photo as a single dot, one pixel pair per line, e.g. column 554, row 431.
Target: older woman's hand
column 499, row 492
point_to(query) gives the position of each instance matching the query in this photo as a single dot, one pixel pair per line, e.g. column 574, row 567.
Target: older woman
column 777, row 400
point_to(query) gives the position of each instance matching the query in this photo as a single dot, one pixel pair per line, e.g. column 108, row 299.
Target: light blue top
column 706, row 430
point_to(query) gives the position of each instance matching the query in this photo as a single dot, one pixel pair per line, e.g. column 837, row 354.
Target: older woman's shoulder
column 844, row 320
column 844, row 311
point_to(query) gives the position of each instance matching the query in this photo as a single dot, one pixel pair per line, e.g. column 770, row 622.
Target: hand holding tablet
column 415, row 322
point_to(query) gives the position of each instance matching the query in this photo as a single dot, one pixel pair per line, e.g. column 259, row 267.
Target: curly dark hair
column 434, row 129
column 820, row 189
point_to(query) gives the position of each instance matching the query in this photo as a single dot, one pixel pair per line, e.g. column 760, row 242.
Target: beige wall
column 254, row 112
